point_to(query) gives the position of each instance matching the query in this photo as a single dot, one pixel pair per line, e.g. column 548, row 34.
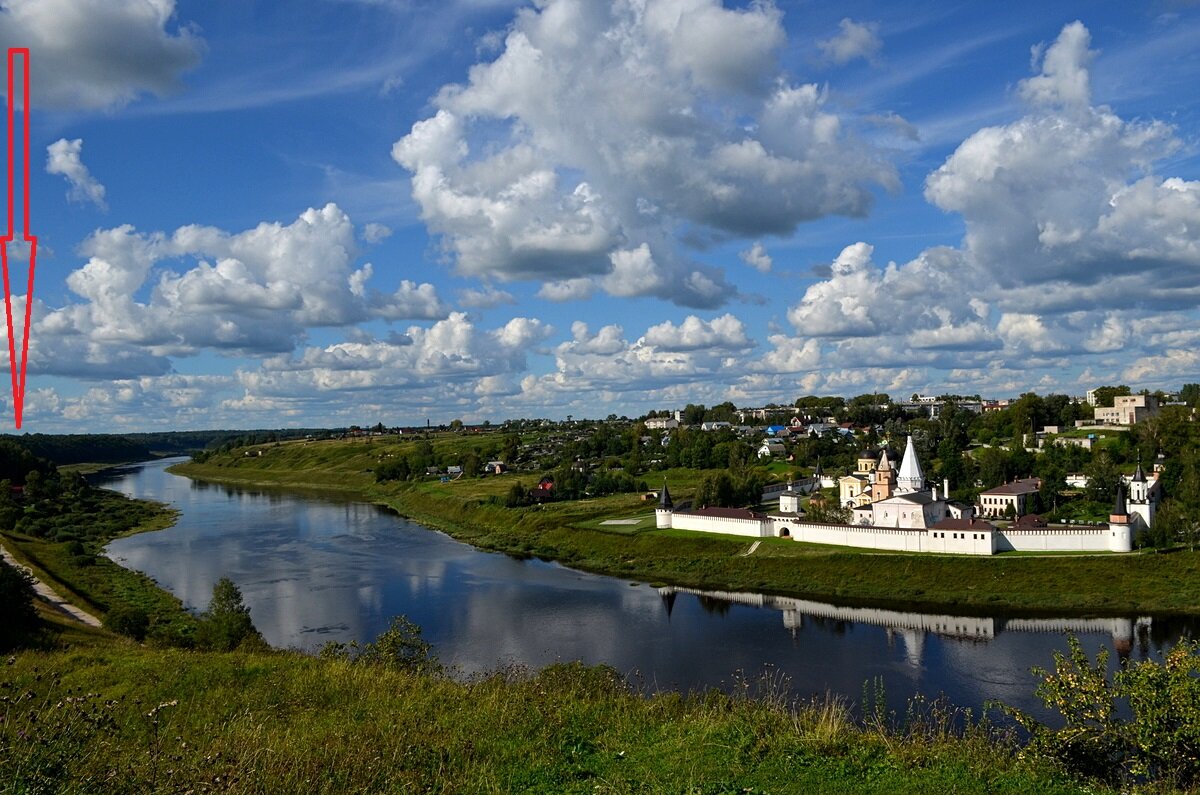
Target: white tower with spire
column 1140, row 504
column 665, row 509
column 1119, row 524
column 911, row 478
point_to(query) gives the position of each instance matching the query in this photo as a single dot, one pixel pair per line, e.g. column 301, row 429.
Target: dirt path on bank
column 49, row 595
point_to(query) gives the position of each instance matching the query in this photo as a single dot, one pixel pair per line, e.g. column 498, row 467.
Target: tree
column 1190, row 394
column 226, row 624
column 509, row 448
column 1054, row 478
column 35, row 487
column 456, row 425
column 17, row 616
column 1102, row 477
column 824, row 509
column 1105, row 394
column 470, row 465
column 518, row 496
column 993, row 467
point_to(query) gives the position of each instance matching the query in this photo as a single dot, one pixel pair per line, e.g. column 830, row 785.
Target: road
column 49, row 595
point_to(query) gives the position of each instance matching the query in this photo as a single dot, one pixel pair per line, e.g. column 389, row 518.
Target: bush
column 18, row 619
column 400, row 647
column 1159, row 742
column 129, row 621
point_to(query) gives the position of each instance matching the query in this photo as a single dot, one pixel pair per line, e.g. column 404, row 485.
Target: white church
column 899, row 511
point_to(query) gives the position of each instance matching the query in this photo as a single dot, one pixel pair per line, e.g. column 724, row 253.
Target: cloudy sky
column 320, row 212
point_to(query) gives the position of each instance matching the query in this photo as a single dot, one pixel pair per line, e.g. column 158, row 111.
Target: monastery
column 900, row 511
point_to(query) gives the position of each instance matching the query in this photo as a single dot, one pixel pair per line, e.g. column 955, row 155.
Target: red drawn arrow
column 18, row 381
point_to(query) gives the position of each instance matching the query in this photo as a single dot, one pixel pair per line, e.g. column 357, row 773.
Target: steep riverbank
column 569, row 532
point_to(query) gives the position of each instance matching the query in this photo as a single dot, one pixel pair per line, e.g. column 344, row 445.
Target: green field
column 472, row 510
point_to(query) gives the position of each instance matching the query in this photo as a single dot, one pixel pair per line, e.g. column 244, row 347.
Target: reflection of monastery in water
column 912, row 627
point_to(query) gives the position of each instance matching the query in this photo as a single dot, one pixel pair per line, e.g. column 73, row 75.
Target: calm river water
column 314, row 570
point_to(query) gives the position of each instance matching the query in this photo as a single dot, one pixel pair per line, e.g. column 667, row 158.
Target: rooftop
column 726, row 513
column 978, row 525
column 1021, row 486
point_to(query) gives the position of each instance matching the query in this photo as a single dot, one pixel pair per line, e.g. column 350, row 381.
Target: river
column 316, row 569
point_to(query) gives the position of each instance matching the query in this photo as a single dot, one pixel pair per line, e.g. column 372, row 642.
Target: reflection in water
column 912, row 628
column 316, row 569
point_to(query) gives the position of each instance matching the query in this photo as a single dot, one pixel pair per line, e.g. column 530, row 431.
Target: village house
column 662, row 424
column 771, row 447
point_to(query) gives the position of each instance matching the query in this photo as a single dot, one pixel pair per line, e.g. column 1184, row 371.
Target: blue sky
column 323, row 212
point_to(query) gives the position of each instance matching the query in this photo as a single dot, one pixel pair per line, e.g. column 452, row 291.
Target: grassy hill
column 119, row 718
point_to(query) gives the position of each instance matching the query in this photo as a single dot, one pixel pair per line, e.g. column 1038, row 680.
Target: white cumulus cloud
column 94, row 54
column 598, row 129
column 757, row 257
column 65, row 158
column 250, row 292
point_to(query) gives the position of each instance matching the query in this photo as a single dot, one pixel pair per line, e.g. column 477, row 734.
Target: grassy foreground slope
column 569, row 532
column 125, row 719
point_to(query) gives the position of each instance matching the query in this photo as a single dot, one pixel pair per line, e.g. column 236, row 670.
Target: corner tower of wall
column 1119, row 524
column 662, row 514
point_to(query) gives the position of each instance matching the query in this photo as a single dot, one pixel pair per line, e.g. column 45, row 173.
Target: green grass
column 124, row 719
column 645, row 522
column 569, row 532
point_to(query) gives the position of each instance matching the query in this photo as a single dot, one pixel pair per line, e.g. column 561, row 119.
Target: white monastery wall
column 894, row 539
column 1056, row 539
column 756, row 528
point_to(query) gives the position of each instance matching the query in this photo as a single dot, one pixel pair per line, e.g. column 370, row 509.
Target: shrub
column 129, row 621
column 399, row 647
column 1158, row 742
column 17, row 616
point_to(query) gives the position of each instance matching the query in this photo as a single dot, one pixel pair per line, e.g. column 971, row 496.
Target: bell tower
column 885, row 479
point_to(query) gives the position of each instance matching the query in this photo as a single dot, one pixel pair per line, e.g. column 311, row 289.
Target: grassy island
column 571, row 531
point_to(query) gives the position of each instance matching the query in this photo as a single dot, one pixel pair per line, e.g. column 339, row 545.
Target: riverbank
column 120, row 719
column 473, row 511
column 72, row 563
